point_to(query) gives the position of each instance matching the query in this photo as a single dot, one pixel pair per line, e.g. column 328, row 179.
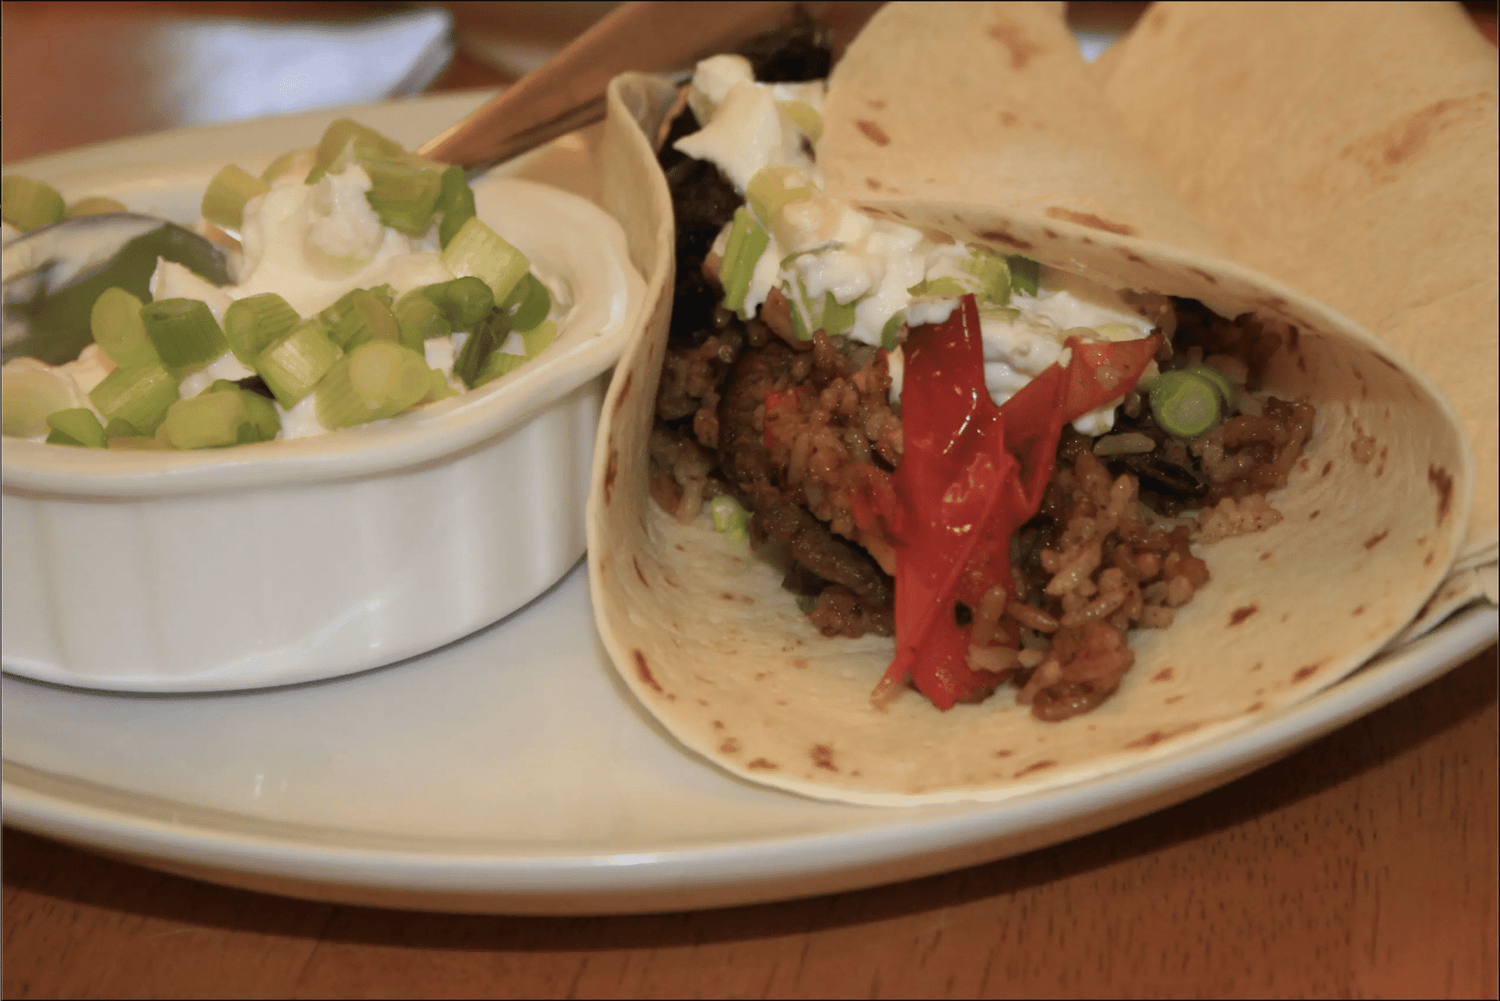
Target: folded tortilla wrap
column 1349, row 149
column 702, row 632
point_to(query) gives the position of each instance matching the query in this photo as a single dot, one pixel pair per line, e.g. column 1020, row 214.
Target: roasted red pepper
column 971, row 473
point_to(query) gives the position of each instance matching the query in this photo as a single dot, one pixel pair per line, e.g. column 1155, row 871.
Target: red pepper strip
column 971, row 474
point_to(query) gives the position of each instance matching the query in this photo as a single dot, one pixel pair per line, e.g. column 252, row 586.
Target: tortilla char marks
column 1242, row 613
column 1306, row 671
column 872, row 132
column 1005, row 237
column 876, row 103
column 1035, row 767
column 1383, row 151
column 1165, row 674
column 624, row 390
column 729, row 746
column 611, row 470
column 822, row 756
column 1204, row 275
column 1022, row 49
column 1090, row 220
column 1327, row 468
column 1004, row 754
column 1255, row 707
column 1051, row 234
column 643, row 670
column 637, row 564
column 762, row 765
column 1442, row 482
column 873, row 184
column 1008, row 118
column 1157, row 736
column 1359, row 610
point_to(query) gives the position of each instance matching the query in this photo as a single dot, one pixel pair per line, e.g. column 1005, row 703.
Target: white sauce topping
column 873, row 263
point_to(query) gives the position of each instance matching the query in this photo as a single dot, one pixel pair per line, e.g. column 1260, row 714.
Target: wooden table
column 1364, row 865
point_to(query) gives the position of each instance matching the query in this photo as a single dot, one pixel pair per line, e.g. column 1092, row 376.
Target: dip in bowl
column 291, row 560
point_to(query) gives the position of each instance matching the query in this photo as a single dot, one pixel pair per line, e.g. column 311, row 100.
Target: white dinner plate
column 510, row 771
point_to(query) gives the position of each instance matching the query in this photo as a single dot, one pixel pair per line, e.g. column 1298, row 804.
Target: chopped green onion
column 499, row 363
column 404, row 196
column 360, row 315
column 730, row 518
column 184, row 332
column 119, row 427
column 437, row 387
column 27, row 204
column 118, row 329
column 805, row 117
column 747, row 242
column 464, row 301
column 1025, row 274
column 455, row 202
column 224, row 199
column 1228, row 392
column 264, row 422
column 419, row 318
column 293, row 365
column 993, row 275
column 938, row 288
column 837, row 316
column 484, row 340
column 255, row 322
column 479, row 251
column 137, row 443
column 529, row 303
column 539, row 338
column 890, row 334
column 773, row 188
column 78, row 426
column 210, row 420
column 140, row 396
column 93, row 206
column 28, row 395
column 297, row 161
column 376, row 380
column 1185, row 403
column 345, row 141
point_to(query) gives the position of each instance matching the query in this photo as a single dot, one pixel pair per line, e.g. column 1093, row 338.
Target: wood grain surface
column 1364, row 865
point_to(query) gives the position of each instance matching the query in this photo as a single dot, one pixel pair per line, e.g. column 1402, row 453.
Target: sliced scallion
column 209, row 420
column 344, row 141
column 464, row 301
column 499, row 363
column 730, row 518
column 437, row 386
column 293, row 365
column 27, row 204
column 28, row 395
column 773, row 188
column 479, row 251
column 224, row 199
column 418, row 318
column 1185, row 403
column 890, row 334
column 93, row 206
column 376, row 380
column 140, row 396
column 747, row 242
column 455, row 202
column 805, row 117
column 360, row 315
column 484, row 340
column 404, row 196
column 184, row 332
column 77, row 426
column 118, row 329
column 529, row 303
column 992, row 273
column 255, row 322
column 539, row 338
column 1025, row 274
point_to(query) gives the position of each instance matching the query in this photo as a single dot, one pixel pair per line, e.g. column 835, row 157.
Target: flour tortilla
column 1351, row 150
column 711, row 645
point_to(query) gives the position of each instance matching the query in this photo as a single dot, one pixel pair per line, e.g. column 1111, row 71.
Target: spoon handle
column 567, row 92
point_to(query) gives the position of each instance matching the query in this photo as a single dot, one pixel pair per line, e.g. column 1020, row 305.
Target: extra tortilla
column 709, row 643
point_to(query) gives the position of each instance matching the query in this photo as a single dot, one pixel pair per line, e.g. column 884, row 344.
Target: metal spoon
column 53, row 274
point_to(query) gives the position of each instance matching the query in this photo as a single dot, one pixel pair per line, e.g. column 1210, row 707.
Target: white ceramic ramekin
column 290, row 561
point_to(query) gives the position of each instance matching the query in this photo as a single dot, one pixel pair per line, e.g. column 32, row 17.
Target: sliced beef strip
column 746, row 463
